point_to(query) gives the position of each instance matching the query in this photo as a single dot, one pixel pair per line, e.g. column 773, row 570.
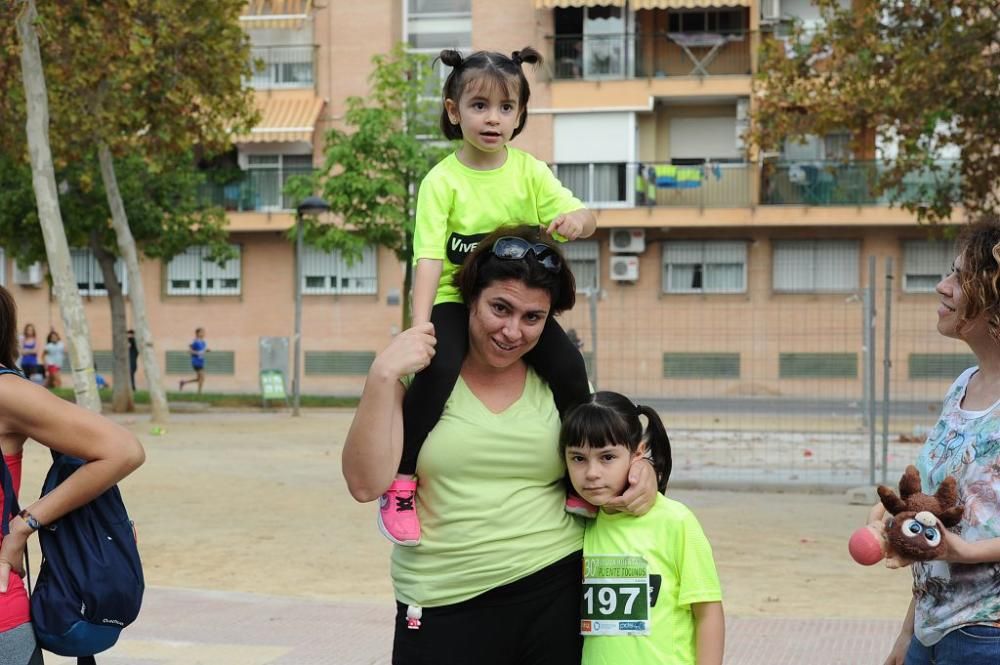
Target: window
column 330, row 272
column 282, row 67
column 594, row 183
column 438, row 24
column 216, row 362
column 704, row 267
column 833, row 146
column 925, row 262
column 267, row 175
column 329, row 363
column 815, row 266
column 724, row 20
column 584, row 260
column 193, row 273
column 432, row 25
column 88, row 275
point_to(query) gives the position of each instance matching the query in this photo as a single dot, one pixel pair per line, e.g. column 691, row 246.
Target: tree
column 151, row 77
column 919, row 75
column 49, row 216
column 164, row 210
column 373, row 168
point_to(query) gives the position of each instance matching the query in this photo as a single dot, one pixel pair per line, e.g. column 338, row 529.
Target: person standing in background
column 53, row 356
column 29, row 352
column 133, row 357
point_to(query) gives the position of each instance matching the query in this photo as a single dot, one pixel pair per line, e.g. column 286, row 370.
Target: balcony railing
column 835, row 183
column 631, row 184
column 651, row 55
column 282, row 67
column 257, row 190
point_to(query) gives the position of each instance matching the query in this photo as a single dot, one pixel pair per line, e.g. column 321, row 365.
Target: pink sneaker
column 578, row 506
column 397, row 513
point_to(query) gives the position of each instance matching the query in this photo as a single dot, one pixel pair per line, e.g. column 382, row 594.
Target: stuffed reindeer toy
column 913, row 533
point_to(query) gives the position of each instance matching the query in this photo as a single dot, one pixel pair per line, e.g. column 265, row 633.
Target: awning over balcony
column 282, row 14
column 686, row 4
column 552, row 4
column 285, row 117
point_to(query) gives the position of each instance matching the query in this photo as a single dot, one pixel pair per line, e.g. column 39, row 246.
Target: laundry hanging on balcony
column 669, row 176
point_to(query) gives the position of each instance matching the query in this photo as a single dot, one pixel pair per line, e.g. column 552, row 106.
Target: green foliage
column 373, row 168
column 153, row 79
column 921, row 74
column 157, row 76
column 164, row 212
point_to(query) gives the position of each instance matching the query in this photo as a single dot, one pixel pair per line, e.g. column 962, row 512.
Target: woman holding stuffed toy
column 29, row 410
column 954, row 616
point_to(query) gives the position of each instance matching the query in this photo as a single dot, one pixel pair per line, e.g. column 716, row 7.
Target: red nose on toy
column 865, row 547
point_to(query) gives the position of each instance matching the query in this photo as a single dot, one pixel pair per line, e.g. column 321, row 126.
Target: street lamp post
column 312, row 205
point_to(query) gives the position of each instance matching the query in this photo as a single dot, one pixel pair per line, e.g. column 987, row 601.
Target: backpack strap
column 9, row 506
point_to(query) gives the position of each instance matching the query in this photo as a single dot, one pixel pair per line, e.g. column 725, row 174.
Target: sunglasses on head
column 512, row 248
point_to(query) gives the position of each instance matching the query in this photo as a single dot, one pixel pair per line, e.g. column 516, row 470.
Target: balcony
column 282, row 67
column 837, row 183
column 631, row 184
column 256, row 190
column 651, row 55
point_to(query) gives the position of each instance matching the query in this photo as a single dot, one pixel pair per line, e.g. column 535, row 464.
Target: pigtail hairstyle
column 8, row 330
column 494, row 69
column 657, row 445
column 611, row 419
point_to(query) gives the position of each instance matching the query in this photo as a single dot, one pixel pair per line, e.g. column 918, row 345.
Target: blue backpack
column 90, row 582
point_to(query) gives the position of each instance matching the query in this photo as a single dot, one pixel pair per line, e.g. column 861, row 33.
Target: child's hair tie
column 516, row 57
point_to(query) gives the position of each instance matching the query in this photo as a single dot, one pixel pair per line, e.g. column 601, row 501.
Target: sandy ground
column 255, row 502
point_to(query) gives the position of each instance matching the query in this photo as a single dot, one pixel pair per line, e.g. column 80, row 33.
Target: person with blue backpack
column 102, row 452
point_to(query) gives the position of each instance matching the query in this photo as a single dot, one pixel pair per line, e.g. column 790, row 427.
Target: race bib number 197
column 615, row 596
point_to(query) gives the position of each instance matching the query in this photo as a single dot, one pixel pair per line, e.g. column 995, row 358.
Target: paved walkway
column 190, row 627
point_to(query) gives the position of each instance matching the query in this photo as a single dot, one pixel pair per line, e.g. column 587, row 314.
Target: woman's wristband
column 30, row 520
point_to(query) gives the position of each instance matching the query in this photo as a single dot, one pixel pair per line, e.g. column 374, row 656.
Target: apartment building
column 715, row 272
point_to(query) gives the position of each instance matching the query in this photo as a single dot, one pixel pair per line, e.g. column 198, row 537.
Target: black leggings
column 555, row 358
column 533, row 621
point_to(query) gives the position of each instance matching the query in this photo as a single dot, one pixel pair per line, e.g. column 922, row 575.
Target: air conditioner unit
column 30, row 276
column 628, row 241
column 770, row 11
column 625, row 268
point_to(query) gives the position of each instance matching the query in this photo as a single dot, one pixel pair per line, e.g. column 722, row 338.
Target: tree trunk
column 126, row 248
column 43, row 178
column 121, row 385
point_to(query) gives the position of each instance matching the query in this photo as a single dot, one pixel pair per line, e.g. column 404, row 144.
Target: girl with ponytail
column 483, row 185
column 651, row 593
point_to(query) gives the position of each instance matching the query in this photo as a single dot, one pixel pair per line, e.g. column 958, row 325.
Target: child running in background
column 470, row 193
column 651, row 593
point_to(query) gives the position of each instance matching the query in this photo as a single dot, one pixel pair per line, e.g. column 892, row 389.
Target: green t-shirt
column 490, row 498
column 458, row 206
column 681, row 570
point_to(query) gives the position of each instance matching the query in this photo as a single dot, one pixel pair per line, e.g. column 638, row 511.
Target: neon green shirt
column 490, row 498
column 458, row 206
column 675, row 549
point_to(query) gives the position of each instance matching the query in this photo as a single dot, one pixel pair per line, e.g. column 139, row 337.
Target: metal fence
column 801, row 389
